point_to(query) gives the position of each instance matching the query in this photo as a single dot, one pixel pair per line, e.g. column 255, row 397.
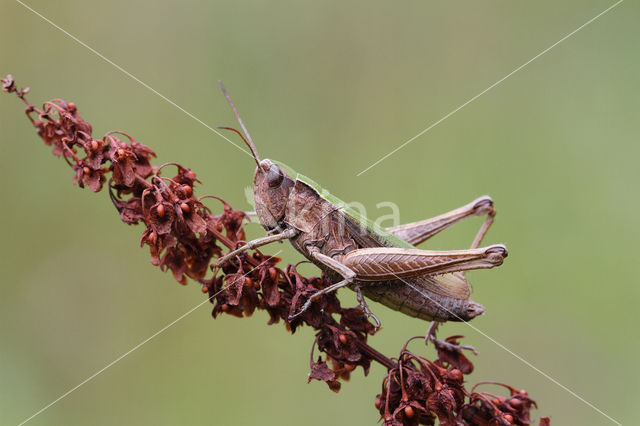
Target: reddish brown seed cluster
column 186, row 237
column 417, row 391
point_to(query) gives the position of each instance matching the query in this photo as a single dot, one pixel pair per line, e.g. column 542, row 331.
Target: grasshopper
column 381, row 264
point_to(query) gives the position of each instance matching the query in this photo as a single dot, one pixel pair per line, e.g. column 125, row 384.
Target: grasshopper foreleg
column 288, row 233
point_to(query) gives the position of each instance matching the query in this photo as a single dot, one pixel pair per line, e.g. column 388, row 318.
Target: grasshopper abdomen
column 410, row 299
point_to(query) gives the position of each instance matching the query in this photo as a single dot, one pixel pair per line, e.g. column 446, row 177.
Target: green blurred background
column 327, row 87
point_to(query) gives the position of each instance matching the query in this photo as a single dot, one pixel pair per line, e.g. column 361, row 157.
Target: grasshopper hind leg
column 349, row 278
column 482, row 205
column 332, row 288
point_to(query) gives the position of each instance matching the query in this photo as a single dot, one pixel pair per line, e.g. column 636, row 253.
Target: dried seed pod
column 408, row 411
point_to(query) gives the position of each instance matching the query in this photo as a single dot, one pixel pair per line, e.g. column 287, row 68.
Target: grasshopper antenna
column 246, row 140
column 239, row 133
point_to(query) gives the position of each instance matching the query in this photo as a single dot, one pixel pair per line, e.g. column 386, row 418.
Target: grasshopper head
column 271, row 187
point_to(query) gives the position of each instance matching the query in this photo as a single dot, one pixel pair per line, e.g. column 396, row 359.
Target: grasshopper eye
column 274, row 177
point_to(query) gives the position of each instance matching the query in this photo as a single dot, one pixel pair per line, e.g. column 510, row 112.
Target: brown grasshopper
column 381, row 264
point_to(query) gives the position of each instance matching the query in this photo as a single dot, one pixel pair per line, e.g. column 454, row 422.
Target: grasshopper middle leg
column 349, row 275
column 343, row 270
column 365, row 307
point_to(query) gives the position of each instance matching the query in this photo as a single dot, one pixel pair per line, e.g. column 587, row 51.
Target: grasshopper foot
column 441, row 344
column 304, row 308
column 365, row 308
column 317, row 295
column 431, row 332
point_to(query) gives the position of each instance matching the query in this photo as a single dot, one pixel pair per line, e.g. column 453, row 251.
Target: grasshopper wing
column 453, row 285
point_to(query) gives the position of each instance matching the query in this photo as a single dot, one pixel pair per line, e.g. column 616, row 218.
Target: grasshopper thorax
column 271, row 187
